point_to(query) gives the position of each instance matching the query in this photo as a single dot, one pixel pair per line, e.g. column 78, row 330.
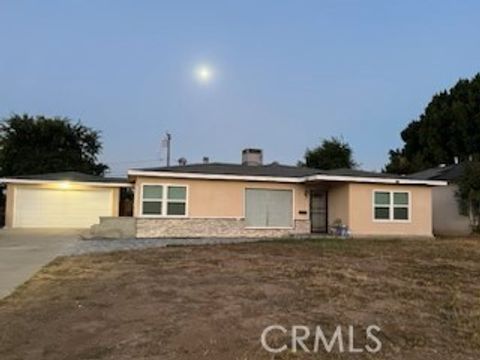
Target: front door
column 318, row 211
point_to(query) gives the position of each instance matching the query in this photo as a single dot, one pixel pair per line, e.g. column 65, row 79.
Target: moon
column 204, row 73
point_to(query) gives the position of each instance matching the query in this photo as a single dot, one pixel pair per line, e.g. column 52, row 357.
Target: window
column 152, row 200
column 268, row 208
column 391, row 205
column 164, row 200
column 176, row 200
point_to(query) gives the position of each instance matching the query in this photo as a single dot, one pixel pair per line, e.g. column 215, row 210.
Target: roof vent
column 182, row 161
column 252, row 157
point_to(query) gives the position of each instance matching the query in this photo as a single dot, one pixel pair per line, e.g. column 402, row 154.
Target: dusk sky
column 283, row 74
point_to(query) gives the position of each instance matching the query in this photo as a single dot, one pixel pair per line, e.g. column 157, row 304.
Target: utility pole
column 168, row 140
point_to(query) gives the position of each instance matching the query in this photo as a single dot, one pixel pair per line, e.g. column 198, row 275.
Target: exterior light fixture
column 64, row 185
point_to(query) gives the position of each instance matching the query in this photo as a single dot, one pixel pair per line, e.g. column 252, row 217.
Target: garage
column 61, row 200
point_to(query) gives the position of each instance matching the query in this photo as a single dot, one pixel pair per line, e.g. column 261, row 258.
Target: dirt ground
column 214, row 302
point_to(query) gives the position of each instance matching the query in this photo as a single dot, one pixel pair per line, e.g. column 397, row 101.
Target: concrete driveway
column 24, row 252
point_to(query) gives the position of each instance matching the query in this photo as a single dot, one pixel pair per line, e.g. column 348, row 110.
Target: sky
column 285, row 74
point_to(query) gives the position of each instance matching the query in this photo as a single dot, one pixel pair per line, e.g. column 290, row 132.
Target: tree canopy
column 468, row 193
column 332, row 153
column 35, row 145
column 448, row 128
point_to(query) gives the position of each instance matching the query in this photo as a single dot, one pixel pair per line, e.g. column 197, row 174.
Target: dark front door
column 318, row 211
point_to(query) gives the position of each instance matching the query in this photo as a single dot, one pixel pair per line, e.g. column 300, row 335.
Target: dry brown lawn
column 213, row 302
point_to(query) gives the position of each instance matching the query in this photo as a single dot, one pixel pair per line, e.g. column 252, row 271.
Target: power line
column 133, row 161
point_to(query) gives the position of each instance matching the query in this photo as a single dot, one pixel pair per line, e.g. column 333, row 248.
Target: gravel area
column 82, row 247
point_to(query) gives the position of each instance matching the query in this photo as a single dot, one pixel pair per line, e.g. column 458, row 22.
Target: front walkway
column 24, row 252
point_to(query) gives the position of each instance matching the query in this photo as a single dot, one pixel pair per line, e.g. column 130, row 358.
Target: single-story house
column 447, row 219
column 256, row 200
column 229, row 200
column 60, row 200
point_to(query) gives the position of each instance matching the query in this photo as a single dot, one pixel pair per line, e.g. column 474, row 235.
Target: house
column 255, row 200
column 447, row 219
column 61, row 200
column 228, row 200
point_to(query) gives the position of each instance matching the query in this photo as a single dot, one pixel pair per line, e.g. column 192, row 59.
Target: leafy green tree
column 332, row 153
column 448, row 128
column 468, row 193
column 398, row 163
column 35, row 145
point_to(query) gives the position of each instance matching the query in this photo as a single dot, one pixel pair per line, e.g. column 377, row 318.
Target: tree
column 468, row 193
column 35, row 145
column 448, row 128
column 332, row 153
column 399, row 163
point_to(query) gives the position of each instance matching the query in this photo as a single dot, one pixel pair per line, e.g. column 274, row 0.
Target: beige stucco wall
column 338, row 203
column 350, row 202
column 361, row 221
column 223, row 198
column 115, row 202
column 9, row 208
column 446, row 217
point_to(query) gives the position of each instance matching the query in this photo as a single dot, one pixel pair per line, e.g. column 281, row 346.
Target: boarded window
column 268, row 208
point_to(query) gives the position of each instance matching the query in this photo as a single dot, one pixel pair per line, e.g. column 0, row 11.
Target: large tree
column 448, row 128
column 468, row 194
column 35, row 145
column 332, row 153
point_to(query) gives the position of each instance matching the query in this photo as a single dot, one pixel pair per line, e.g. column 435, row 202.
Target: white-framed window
column 391, row 205
column 164, row 200
column 176, row 200
column 268, row 208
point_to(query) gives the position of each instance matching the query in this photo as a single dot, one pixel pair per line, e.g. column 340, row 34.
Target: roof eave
column 75, row 182
column 302, row 179
column 378, row 180
column 171, row 174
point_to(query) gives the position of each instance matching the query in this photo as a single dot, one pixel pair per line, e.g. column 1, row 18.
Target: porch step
column 112, row 228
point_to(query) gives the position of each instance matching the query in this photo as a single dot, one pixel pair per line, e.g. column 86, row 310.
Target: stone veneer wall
column 121, row 227
column 210, row 227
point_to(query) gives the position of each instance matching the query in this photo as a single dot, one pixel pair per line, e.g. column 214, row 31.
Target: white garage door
column 46, row 208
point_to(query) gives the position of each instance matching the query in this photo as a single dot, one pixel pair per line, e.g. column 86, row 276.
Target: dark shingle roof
column 237, row 169
column 274, row 170
column 448, row 173
column 358, row 173
column 71, row 176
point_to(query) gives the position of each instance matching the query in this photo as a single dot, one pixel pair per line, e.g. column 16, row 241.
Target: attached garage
column 64, row 200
